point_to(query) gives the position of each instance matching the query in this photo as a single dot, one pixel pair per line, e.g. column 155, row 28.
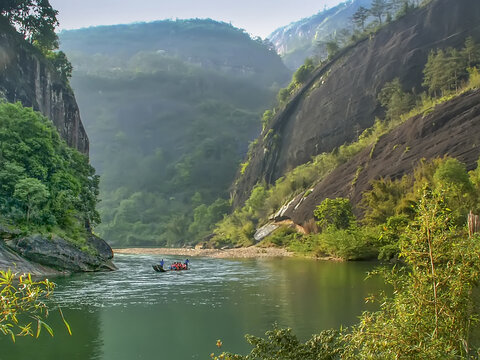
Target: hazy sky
column 257, row 17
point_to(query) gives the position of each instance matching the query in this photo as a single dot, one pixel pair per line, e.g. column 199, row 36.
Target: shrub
column 336, row 212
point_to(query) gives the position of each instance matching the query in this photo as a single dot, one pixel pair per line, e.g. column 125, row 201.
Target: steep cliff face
column 25, row 76
column 452, row 129
column 340, row 99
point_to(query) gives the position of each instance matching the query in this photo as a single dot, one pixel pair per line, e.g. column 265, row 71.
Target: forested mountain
column 170, row 107
column 308, row 37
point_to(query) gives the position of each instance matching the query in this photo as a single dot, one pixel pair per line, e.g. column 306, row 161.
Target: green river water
column 136, row 313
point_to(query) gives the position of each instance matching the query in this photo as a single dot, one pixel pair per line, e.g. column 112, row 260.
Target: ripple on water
column 136, row 283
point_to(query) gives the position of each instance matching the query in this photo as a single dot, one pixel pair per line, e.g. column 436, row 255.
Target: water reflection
column 86, row 342
column 135, row 313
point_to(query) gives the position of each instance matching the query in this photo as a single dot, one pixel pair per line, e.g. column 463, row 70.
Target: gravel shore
column 249, row 252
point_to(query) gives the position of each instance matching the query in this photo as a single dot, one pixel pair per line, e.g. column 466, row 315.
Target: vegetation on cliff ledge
column 45, row 186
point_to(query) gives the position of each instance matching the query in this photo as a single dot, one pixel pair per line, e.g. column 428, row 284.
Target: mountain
column 306, row 37
column 340, row 99
column 170, row 107
column 208, row 44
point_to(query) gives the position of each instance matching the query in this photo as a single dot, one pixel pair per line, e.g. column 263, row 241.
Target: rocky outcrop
column 451, row 129
column 57, row 253
column 340, row 99
column 26, row 76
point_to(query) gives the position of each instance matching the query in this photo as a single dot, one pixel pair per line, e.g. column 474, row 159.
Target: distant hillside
column 301, row 39
column 170, row 108
column 207, row 43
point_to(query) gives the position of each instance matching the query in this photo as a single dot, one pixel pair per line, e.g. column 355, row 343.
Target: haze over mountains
column 170, row 107
column 307, row 37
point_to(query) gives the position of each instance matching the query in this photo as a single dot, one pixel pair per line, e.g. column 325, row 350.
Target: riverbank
column 248, row 252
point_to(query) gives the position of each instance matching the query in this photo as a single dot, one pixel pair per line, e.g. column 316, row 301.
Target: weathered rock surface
column 59, row 254
column 264, row 231
column 452, row 128
column 340, row 99
column 27, row 77
column 11, row 260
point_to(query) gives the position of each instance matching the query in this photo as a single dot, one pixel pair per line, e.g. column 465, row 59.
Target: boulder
column 57, row 253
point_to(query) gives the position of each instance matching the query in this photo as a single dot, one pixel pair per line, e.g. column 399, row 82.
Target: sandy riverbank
column 249, row 252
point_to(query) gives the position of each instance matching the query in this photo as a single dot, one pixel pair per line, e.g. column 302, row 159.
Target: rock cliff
column 25, row 76
column 452, row 128
column 340, row 99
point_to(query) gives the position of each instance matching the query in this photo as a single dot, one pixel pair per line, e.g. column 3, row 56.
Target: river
column 136, row 313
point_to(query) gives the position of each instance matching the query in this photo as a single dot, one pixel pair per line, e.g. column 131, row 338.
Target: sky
column 257, row 17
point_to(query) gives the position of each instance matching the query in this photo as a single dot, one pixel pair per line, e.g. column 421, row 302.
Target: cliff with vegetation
column 339, row 101
column 450, row 129
column 48, row 189
column 26, row 76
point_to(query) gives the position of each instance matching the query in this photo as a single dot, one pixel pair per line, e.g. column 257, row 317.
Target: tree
column 471, row 52
column 303, row 73
column 32, row 193
column 444, row 71
column 431, row 313
column 360, row 16
column 332, row 48
column 395, row 100
column 337, row 212
column 61, row 64
column 378, row 9
column 36, row 20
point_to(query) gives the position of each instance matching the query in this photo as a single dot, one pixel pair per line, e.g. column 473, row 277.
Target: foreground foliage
column 22, row 306
column 431, row 314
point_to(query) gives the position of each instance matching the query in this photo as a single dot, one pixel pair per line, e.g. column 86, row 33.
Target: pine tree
column 471, row 52
column 360, row 16
column 378, row 9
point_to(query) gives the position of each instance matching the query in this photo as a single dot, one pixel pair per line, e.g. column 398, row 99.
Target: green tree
column 42, row 174
column 61, row 64
column 337, row 212
column 395, row 100
column 378, row 9
column 444, row 71
column 304, row 72
column 32, row 194
column 360, row 16
column 332, row 48
column 282, row 344
column 431, row 313
column 386, row 198
column 471, row 52
column 36, row 20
